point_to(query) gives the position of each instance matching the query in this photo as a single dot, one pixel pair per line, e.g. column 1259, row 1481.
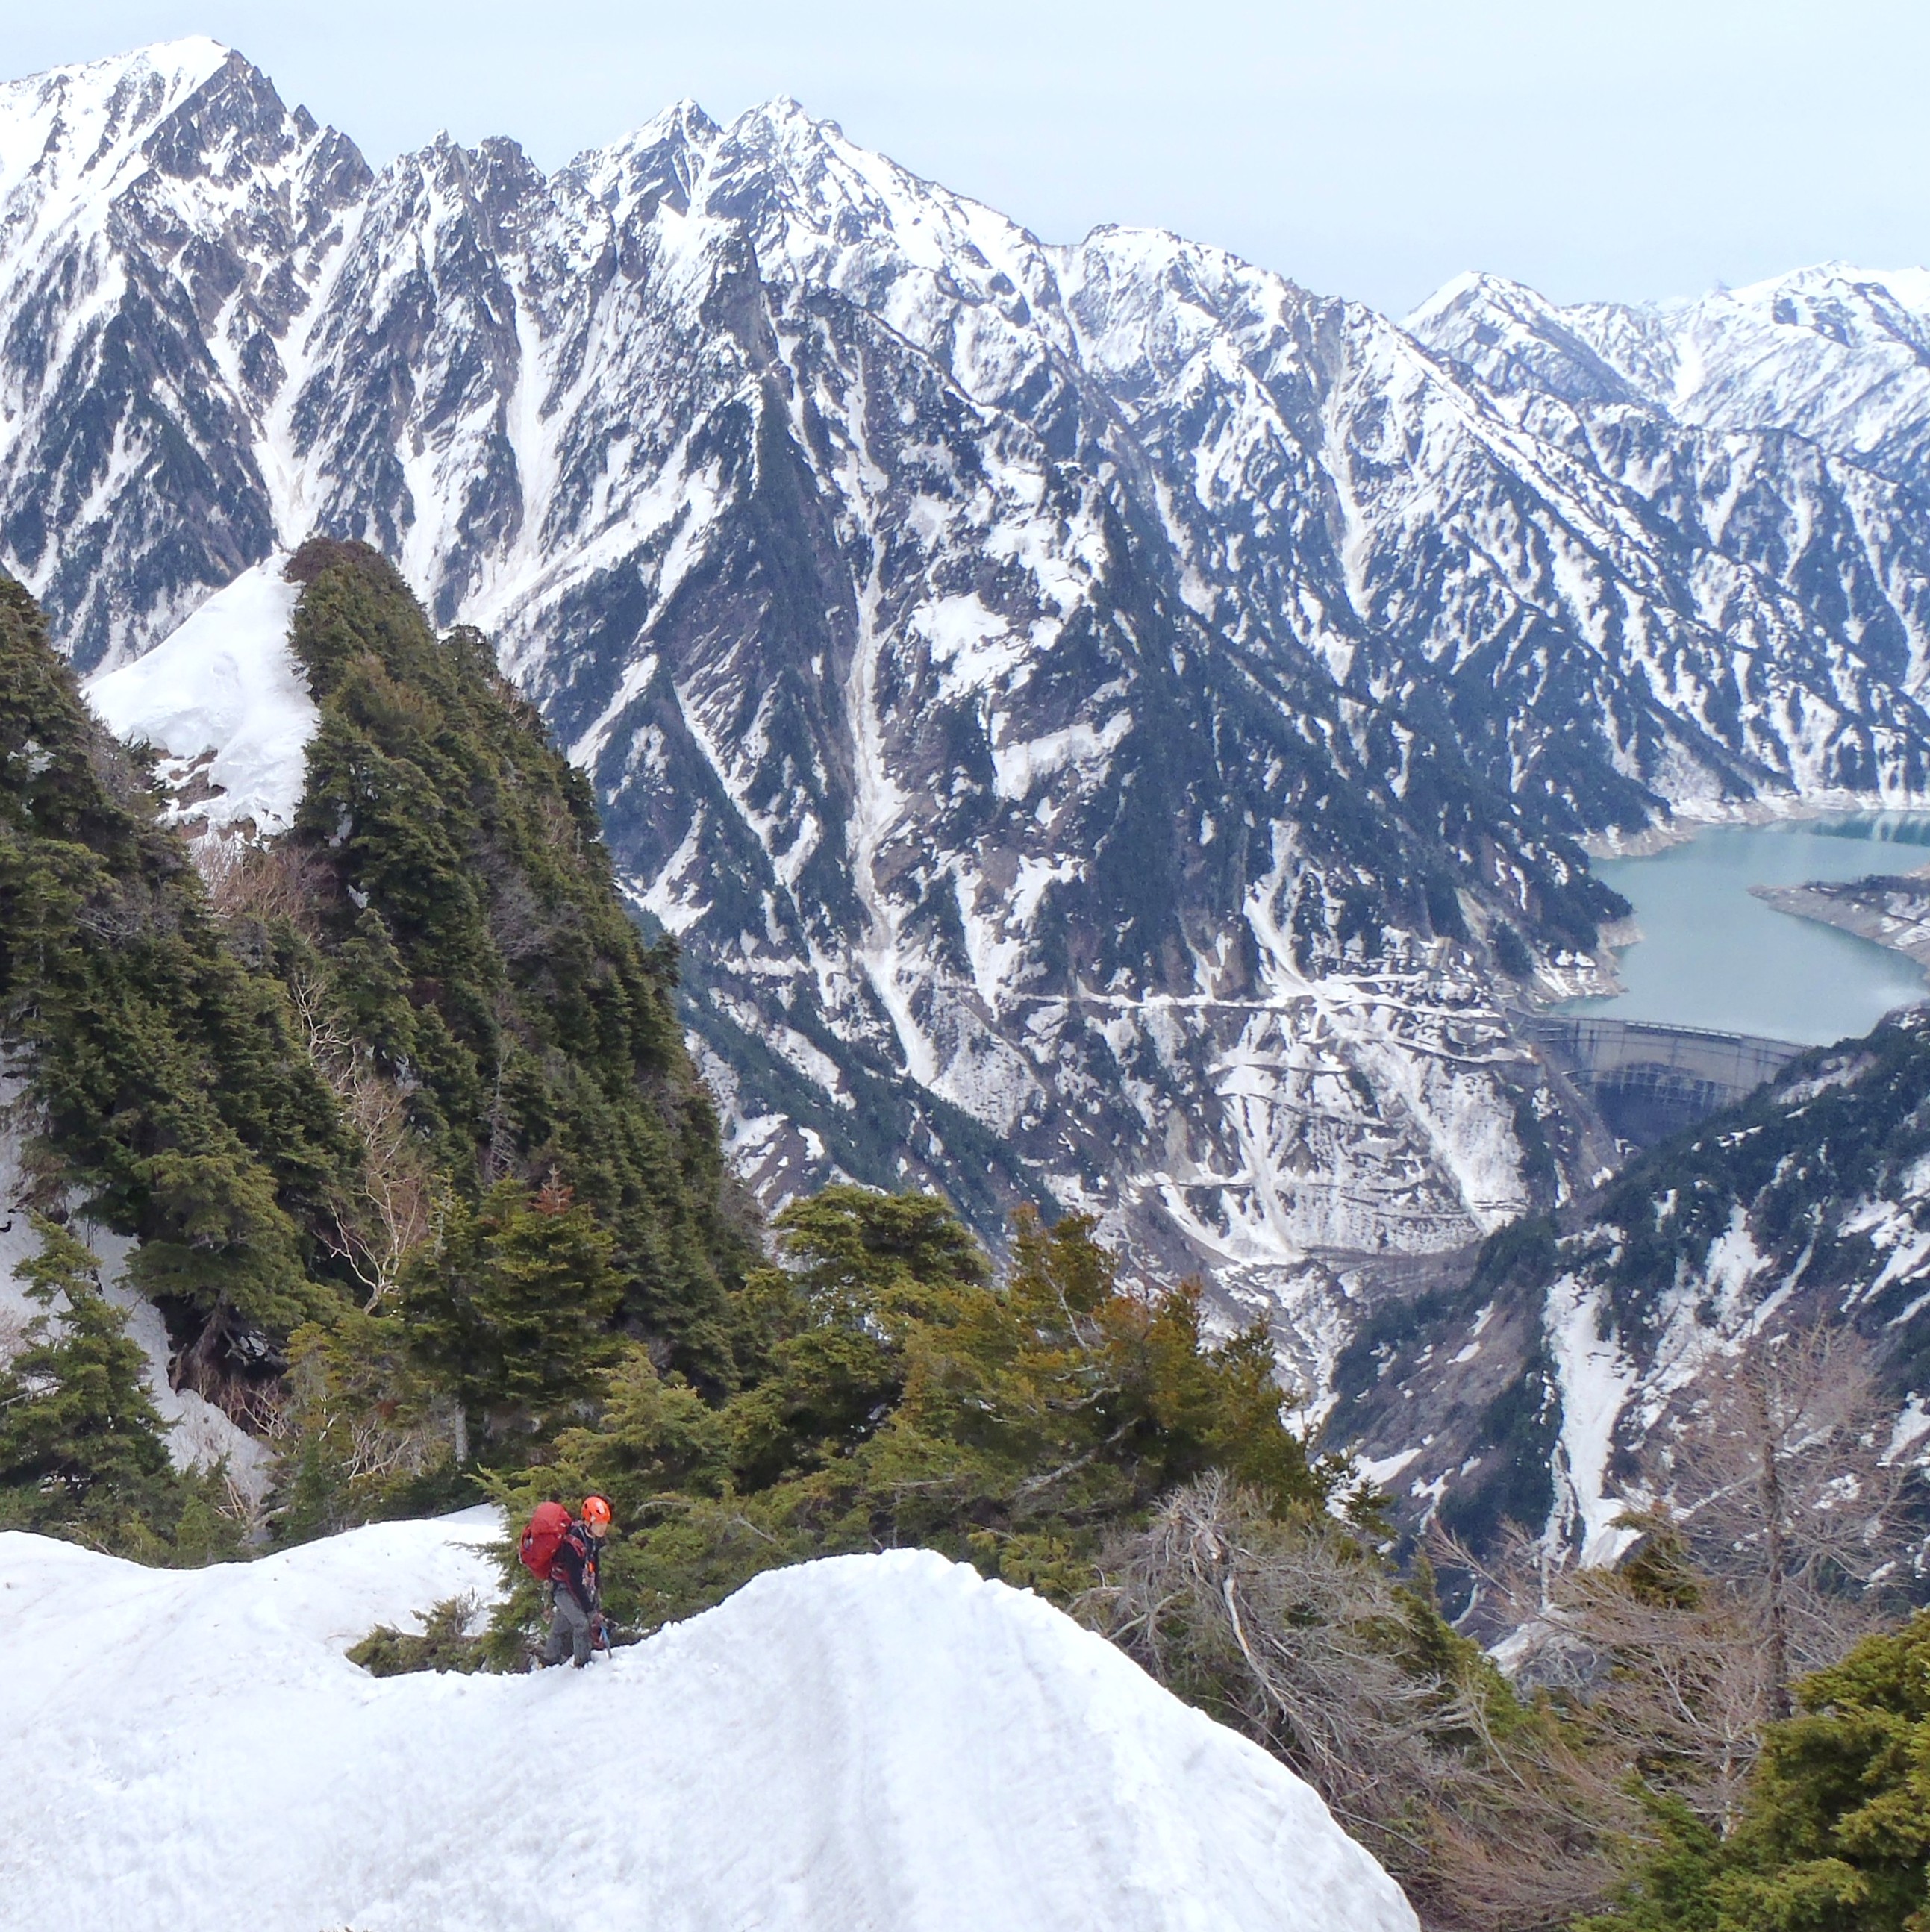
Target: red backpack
column 546, row 1532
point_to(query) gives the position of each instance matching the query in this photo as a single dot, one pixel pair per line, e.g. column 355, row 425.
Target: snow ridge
column 223, row 698
column 868, row 1742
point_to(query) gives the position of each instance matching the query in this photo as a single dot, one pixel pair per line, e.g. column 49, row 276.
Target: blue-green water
column 1711, row 955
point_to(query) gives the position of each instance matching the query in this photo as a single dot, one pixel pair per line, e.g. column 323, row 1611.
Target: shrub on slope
column 910, row 1399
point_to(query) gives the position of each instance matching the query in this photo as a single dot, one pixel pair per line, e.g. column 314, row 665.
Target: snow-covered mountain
column 1103, row 722
column 1837, row 355
column 1786, row 425
column 164, row 220
column 1537, row 1385
column 870, row 1742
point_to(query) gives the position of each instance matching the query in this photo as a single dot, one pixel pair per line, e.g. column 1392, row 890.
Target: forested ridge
column 396, row 1112
column 356, row 1044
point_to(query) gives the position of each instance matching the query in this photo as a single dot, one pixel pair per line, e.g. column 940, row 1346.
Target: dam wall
column 1648, row 1081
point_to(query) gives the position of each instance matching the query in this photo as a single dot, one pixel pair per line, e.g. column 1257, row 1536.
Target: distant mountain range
column 1107, row 725
column 1833, row 354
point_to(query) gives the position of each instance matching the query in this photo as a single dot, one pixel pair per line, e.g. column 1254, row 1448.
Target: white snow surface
column 226, row 682
column 885, row 1741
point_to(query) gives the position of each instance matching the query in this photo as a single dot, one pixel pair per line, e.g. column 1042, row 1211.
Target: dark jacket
column 574, row 1567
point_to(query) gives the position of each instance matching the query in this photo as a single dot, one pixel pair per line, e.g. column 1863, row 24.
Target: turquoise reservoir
column 1711, row 955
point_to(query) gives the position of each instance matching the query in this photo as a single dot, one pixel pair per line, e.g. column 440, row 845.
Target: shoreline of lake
column 1890, row 910
column 1683, row 826
column 1755, row 928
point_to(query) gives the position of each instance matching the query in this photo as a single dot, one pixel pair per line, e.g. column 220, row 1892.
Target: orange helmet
column 597, row 1509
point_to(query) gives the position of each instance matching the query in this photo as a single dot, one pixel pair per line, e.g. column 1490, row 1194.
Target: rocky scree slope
column 1102, row 722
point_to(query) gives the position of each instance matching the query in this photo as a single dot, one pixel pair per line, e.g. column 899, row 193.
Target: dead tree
column 1299, row 1635
column 1781, row 1486
column 1776, row 1516
column 391, row 1208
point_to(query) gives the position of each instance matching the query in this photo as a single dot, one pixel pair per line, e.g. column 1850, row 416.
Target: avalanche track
column 883, row 1742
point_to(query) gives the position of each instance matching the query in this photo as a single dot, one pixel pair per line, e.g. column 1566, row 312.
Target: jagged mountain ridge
column 1775, row 423
column 1836, row 354
column 131, row 473
column 1097, row 718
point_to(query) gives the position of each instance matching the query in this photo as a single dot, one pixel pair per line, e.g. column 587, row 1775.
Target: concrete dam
column 1648, row 1081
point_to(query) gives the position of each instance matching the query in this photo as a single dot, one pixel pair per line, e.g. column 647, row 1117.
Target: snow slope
column 226, row 682
column 880, row 1741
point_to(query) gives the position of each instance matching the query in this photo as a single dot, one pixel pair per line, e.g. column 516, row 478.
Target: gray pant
column 569, row 1626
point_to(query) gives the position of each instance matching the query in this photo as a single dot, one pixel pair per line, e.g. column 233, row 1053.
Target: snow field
column 885, row 1741
column 225, row 682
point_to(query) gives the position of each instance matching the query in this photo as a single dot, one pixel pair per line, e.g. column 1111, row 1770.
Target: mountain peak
column 682, row 123
column 77, row 127
column 1909, row 288
column 1470, row 287
column 1515, row 339
column 784, row 111
column 182, row 65
column 685, row 116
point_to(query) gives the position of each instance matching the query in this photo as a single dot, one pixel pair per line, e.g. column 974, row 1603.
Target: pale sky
column 1629, row 149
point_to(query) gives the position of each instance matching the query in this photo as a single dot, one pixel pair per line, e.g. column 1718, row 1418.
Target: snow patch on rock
column 199, row 1435
column 1596, row 1379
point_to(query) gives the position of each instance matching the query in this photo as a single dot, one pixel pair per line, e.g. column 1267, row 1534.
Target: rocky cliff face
column 1104, row 723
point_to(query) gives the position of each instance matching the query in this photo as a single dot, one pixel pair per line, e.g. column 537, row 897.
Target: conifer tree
column 468, row 911
column 513, row 1312
column 164, row 1082
column 81, row 1444
column 911, row 1399
column 1834, row 1830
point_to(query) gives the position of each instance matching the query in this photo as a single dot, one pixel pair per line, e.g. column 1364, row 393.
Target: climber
column 576, row 1597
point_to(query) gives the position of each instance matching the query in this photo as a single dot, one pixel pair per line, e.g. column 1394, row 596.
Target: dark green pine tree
column 467, row 910
column 513, row 1312
column 81, row 1445
column 167, row 1087
column 1834, row 1831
